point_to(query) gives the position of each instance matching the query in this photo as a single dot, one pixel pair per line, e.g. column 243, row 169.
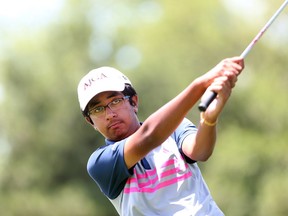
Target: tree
column 50, row 142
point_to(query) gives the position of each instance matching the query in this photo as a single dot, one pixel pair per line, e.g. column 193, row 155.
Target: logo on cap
column 90, row 81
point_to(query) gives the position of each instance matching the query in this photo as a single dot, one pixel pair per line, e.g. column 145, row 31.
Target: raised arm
column 161, row 124
column 199, row 147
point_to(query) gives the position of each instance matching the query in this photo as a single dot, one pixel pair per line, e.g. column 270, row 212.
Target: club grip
column 207, row 98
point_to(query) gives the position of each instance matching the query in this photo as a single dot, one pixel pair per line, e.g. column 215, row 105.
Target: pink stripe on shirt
column 158, row 186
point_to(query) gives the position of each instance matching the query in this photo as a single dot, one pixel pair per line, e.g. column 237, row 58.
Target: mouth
column 113, row 125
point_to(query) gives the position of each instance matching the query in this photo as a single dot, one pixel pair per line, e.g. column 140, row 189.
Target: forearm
column 205, row 141
column 164, row 121
column 161, row 124
column 200, row 146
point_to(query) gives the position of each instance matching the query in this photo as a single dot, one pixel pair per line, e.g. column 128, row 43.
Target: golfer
column 150, row 168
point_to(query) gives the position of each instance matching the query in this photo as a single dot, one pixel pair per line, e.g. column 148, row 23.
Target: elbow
column 202, row 157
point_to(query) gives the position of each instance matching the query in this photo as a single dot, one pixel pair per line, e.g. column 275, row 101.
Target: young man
column 150, row 168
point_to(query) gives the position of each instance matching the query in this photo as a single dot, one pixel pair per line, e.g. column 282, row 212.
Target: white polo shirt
column 165, row 182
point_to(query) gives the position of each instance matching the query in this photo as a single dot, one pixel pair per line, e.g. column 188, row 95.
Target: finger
column 237, row 59
column 237, row 62
column 221, row 83
column 231, row 66
column 229, row 81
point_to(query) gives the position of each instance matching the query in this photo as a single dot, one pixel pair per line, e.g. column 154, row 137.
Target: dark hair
column 128, row 91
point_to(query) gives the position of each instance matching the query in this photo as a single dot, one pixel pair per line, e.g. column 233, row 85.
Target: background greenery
column 161, row 46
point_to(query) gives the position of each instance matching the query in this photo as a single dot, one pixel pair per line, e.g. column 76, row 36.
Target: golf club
column 209, row 96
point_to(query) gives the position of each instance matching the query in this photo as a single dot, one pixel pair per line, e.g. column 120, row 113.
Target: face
column 114, row 123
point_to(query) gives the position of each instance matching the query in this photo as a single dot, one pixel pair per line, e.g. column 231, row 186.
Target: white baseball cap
column 100, row 80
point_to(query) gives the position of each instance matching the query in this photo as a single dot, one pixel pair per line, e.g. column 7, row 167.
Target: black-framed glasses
column 114, row 105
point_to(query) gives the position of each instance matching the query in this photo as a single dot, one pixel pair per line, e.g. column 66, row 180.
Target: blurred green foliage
column 45, row 142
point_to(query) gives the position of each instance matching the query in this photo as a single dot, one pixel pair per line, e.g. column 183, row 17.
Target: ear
column 89, row 121
column 134, row 103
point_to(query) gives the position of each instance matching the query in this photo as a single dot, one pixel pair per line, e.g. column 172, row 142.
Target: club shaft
column 209, row 96
column 263, row 30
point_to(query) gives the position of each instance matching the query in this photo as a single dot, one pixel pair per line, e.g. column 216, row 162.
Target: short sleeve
column 107, row 168
column 183, row 130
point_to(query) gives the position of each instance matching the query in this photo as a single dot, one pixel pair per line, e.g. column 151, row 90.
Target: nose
column 109, row 113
